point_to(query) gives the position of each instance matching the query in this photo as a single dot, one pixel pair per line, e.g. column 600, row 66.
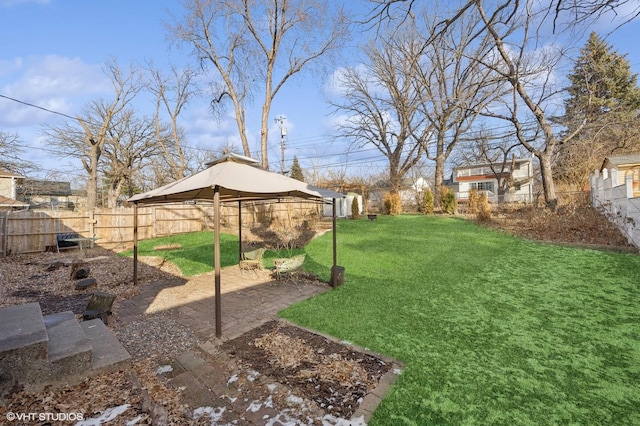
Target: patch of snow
column 397, row 371
column 330, row 420
column 215, row 414
column 346, row 342
column 283, row 419
column 232, row 379
column 252, row 375
column 295, row 399
column 108, row 415
column 164, row 369
column 134, row 421
column 272, row 387
column 269, row 402
column 254, row 406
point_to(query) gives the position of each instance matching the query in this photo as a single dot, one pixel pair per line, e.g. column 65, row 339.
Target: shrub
column 427, row 202
column 483, row 208
column 474, row 200
column 392, row 204
column 355, row 208
column 448, row 201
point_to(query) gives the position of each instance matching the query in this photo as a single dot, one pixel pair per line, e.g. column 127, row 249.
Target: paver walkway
column 249, row 299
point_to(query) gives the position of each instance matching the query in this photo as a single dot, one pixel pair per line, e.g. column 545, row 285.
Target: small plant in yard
column 474, row 199
column 355, row 208
column 392, row 204
column 427, row 202
column 483, row 208
column 448, row 201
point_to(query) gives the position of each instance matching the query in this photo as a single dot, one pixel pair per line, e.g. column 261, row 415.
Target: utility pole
column 283, row 133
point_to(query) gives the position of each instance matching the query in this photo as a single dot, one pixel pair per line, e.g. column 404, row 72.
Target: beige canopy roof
column 236, row 179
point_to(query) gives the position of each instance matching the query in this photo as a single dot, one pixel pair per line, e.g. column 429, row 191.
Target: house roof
column 473, row 166
column 621, row 160
column 4, row 173
column 236, row 178
column 10, row 202
column 45, row 187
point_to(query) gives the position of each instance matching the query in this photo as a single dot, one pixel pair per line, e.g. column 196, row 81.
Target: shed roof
column 620, row 160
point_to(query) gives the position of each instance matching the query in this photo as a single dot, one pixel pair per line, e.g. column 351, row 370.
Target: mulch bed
column 334, row 375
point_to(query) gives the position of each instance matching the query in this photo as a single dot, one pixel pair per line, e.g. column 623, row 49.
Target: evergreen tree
column 296, row 170
column 604, row 98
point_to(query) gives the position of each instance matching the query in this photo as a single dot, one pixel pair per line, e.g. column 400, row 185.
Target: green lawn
column 492, row 329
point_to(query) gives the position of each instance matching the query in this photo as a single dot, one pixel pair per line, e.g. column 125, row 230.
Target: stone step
column 69, row 348
column 108, row 353
column 20, row 326
column 23, row 338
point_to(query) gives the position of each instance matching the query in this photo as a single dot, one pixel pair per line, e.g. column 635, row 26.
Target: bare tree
column 381, row 104
column 259, row 43
column 530, row 74
column 11, row 159
column 172, row 94
column 454, row 86
column 566, row 14
column 86, row 139
column 132, row 143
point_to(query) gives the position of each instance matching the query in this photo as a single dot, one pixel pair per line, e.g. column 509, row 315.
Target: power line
column 38, row 107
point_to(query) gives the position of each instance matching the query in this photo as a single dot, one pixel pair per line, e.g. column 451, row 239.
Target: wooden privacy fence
column 35, row 231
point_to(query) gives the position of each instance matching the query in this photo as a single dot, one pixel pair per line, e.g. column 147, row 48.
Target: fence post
column 628, row 180
column 4, row 226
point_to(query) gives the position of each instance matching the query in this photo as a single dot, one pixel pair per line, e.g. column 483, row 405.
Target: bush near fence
column 35, row 231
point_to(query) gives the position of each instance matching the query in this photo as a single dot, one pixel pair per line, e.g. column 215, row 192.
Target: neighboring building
column 9, row 184
column 626, row 165
column 46, row 194
column 343, row 206
column 11, row 204
column 516, row 179
column 410, row 194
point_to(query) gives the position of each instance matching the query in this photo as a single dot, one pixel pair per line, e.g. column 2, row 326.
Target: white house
column 343, row 205
column 516, row 178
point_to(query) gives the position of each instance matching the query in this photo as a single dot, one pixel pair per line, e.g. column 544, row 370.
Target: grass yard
column 492, row 329
column 194, row 254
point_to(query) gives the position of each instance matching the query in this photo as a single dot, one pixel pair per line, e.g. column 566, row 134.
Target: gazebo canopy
column 231, row 178
column 237, row 178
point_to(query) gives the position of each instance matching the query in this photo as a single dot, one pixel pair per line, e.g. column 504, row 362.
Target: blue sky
column 52, row 52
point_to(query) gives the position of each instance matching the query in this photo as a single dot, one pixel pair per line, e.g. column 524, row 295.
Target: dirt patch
column 333, row 375
column 46, row 278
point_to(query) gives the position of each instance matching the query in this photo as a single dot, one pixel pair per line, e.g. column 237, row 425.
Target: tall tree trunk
column 548, row 185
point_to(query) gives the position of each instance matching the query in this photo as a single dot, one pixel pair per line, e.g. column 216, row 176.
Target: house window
column 482, row 186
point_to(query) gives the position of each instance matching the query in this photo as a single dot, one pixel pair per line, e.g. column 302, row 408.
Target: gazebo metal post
column 216, row 259
column 239, row 231
column 335, row 244
column 135, row 243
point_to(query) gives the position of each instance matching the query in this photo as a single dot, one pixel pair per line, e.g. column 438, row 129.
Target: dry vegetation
column 574, row 223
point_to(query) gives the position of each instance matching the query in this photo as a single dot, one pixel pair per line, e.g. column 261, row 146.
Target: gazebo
column 231, row 178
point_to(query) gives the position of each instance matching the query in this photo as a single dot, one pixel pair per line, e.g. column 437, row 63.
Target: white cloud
column 53, row 82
